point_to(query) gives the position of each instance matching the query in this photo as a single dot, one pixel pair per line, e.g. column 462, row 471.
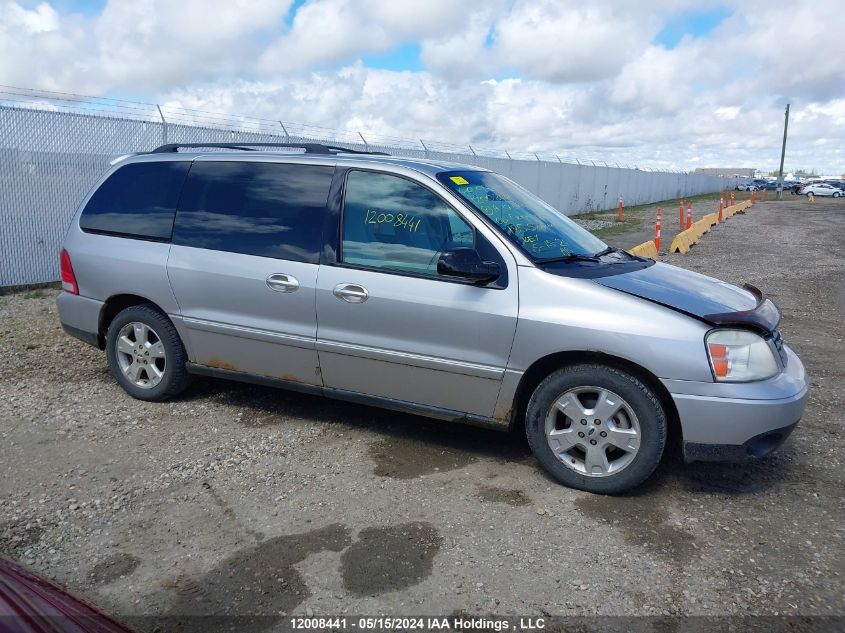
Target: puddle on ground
column 113, row 567
column 642, row 521
column 260, row 581
column 405, row 458
column 503, row 495
column 412, row 447
column 389, row 558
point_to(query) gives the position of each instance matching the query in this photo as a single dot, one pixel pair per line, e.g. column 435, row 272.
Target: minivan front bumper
column 736, row 421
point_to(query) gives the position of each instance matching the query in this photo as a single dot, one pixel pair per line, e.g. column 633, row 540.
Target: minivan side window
column 265, row 209
column 138, row 200
column 393, row 223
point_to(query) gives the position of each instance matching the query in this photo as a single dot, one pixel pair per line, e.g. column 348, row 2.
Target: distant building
column 730, row 172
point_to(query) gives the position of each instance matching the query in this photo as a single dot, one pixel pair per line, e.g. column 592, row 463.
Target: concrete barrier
column 685, row 239
column 646, row 249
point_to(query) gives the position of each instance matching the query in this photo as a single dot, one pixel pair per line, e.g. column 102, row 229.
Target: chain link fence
column 51, row 155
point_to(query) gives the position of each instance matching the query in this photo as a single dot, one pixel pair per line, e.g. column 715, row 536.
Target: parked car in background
column 746, row 186
column 436, row 288
column 839, row 184
column 822, row 189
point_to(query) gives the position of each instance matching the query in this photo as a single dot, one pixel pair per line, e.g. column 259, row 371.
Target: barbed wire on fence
column 169, row 114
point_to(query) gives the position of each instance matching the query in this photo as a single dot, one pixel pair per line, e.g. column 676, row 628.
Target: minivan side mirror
column 465, row 263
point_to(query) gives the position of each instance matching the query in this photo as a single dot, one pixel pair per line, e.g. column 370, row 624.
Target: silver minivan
column 440, row 289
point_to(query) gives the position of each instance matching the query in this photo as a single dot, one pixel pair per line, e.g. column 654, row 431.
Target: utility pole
column 783, row 153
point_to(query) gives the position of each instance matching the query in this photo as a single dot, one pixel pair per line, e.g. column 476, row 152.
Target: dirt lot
column 246, row 500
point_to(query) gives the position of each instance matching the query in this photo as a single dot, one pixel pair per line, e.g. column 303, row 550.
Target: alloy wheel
column 141, row 355
column 593, row 430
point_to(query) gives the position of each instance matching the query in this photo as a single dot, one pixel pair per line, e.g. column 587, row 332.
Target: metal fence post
column 285, row 130
column 366, row 145
column 425, row 149
column 163, row 126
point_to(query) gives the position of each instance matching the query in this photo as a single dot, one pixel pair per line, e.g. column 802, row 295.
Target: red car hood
column 30, row 603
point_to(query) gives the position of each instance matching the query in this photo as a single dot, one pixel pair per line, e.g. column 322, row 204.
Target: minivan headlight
column 740, row 356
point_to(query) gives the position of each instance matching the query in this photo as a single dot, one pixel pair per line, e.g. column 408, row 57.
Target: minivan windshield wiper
column 612, row 249
column 578, row 257
column 572, row 257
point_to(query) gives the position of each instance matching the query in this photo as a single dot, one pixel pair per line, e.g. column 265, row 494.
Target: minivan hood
column 701, row 296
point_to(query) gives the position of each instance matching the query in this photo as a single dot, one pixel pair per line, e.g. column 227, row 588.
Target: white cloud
column 150, row 43
column 570, row 40
column 328, row 31
column 579, row 79
column 41, row 19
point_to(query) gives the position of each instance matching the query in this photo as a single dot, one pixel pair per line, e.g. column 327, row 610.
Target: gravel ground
column 245, row 500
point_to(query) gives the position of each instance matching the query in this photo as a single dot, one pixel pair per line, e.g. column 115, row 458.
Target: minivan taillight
column 68, row 278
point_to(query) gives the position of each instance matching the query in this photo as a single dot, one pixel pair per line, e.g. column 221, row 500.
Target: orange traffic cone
column 657, row 232
column 721, row 207
column 681, row 215
column 689, row 215
column 619, row 210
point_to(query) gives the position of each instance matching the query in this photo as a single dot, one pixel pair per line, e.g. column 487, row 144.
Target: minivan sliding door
column 244, row 262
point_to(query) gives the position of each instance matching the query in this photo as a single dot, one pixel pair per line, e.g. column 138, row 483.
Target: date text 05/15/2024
column 442, row 623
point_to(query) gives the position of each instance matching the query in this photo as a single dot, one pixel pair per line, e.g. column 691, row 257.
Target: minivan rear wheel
column 145, row 354
column 596, row 428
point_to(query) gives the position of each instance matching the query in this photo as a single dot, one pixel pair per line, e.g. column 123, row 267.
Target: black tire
column 175, row 378
column 641, row 399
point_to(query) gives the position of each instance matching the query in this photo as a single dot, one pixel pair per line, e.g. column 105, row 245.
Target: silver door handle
column 282, row 283
column 351, row 293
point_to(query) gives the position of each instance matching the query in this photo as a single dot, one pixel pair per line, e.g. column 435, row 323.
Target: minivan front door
column 389, row 325
column 244, row 263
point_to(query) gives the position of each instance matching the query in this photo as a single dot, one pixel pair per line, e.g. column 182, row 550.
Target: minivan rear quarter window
column 265, row 209
column 137, row 200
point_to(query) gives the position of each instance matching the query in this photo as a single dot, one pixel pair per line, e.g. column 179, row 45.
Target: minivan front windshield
column 541, row 231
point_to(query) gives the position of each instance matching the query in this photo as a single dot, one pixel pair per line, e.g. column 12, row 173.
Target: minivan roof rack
column 310, row 148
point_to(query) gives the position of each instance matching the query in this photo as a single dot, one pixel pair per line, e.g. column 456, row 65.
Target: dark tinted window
column 137, row 200
column 266, row 209
column 391, row 222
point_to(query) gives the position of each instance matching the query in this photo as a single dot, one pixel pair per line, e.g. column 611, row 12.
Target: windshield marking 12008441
column 539, row 230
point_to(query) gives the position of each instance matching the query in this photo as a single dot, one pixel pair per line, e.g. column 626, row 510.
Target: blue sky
column 693, row 23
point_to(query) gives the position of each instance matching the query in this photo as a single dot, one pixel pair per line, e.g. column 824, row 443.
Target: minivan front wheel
column 145, row 354
column 596, row 428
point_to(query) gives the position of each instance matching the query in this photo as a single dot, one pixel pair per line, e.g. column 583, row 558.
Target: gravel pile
column 593, row 225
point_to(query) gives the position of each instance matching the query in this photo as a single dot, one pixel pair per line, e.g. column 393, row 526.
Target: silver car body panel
column 235, row 320
column 449, row 350
column 420, row 340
